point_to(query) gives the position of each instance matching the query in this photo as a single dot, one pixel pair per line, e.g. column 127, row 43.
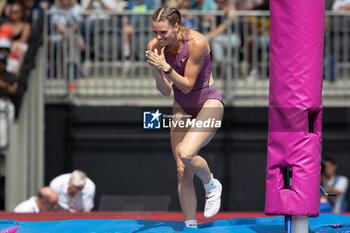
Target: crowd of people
column 18, row 15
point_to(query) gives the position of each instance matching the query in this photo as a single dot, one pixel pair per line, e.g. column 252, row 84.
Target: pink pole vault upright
column 295, row 107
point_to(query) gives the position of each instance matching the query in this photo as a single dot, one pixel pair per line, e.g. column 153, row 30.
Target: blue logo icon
column 151, row 120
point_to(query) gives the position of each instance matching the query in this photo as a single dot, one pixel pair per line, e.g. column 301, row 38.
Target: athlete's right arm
column 163, row 83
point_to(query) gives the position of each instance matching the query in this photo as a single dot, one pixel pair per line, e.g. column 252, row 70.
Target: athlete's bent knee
column 185, row 154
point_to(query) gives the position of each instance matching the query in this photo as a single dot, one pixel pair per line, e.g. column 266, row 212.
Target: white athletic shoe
column 213, row 200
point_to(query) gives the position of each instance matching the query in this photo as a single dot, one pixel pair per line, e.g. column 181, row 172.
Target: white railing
column 6, row 117
column 24, row 165
column 102, row 71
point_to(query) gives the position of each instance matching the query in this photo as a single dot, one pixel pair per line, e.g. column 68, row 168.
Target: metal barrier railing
column 98, row 58
column 6, row 113
column 25, row 156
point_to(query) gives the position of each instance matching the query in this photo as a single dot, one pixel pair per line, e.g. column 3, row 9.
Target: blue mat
column 7, row 224
column 325, row 223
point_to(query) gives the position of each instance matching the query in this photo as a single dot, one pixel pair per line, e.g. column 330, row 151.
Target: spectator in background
column 5, row 48
column 21, row 32
column 204, row 20
column 66, row 18
column 333, row 183
column 341, row 5
column 8, row 81
column 44, row 201
column 248, row 5
column 66, row 13
column 3, row 4
column 328, row 68
column 339, row 36
column 172, row 3
column 187, row 20
column 32, row 10
column 139, row 6
column 6, row 31
column 204, row 5
column 100, row 7
column 75, row 191
column 259, row 28
column 156, row 3
column 220, row 38
column 103, row 5
column 17, row 22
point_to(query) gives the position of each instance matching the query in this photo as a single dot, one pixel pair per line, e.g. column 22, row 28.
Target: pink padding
column 11, row 230
column 295, row 106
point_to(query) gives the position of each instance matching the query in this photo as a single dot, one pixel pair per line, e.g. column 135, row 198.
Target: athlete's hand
column 157, row 60
column 147, row 56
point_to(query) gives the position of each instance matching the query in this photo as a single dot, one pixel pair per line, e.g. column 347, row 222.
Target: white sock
column 191, row 223
column 210, row 185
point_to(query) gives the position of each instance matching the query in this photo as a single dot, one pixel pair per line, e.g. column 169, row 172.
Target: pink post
column 295, row 106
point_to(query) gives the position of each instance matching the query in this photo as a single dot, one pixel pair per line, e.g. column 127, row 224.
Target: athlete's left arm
column 198, row 48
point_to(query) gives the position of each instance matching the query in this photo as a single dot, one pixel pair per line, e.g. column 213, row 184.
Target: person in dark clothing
column 8, row 81
column 32, row 10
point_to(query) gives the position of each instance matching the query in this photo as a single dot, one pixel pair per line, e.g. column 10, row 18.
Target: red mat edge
column 171, row 216
column 145, row 215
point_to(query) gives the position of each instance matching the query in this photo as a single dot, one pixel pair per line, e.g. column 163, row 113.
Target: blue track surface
column 325, row 223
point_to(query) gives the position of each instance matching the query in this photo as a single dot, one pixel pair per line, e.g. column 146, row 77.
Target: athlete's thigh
column 198, row 137
column 177, row 134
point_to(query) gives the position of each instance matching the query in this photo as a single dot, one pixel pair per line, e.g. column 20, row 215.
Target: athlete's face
column 164, row 33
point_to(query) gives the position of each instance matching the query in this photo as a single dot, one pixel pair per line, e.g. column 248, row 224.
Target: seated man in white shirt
column 334, row 183
column 75, row 191
column 44, row 201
